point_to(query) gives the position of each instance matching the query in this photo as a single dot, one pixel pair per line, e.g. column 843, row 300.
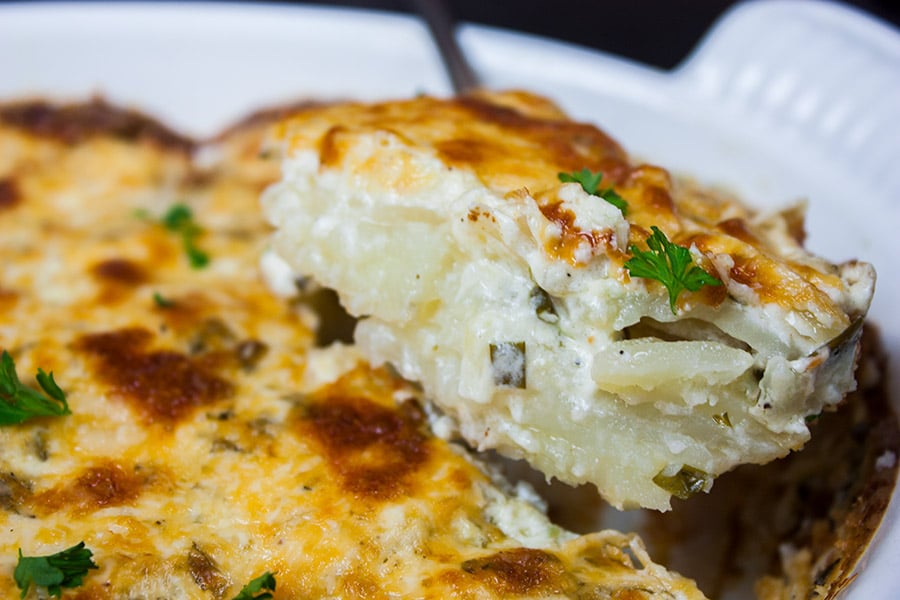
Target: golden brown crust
column 120, row 271
column 373, row 450
column 521, row 571
column 107, row 483
column 571, row 237
column 525, row 146
column 215, row 365
column 9, row 194
column 162, row 385
column 517, row 144
column 209, row 440
column 75, row 123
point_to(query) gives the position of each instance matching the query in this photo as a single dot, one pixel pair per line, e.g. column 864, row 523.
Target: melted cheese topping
column 504, row 291
column 210, row 440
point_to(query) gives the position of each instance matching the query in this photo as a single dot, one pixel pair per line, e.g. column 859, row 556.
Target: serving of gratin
column 595, row 316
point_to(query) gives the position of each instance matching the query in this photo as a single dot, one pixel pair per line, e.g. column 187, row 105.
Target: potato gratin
column 561, row 303
column 203, row 444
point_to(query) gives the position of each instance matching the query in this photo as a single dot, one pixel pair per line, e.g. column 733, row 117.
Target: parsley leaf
column 590, row 182
column 19, row 402
column 54, row 572
column 266, row 581
column 616, row 200
column 669, row 264
column 179, row 219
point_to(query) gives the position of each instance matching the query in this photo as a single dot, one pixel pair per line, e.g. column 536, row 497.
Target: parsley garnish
column 590, row 182
column 54, row 572
column 266, row 581
column 669, row 264
column 179, row 219
column 19, row 403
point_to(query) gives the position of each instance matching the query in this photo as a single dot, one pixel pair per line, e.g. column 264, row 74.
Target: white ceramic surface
column 782, row 100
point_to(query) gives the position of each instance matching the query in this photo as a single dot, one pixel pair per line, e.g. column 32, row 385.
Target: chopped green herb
column 722, row 419
column 19, row 402
column 508, row 364
column 615, row 199
column 196, row 257
column 64, row 569
column 542, row 304
column 683, row 484
column 266, row 582
column 670, row 264
column 179, row 219
column 590, row 182
column 161, row 301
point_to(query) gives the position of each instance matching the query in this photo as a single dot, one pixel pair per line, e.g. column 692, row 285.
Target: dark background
column 655, row 32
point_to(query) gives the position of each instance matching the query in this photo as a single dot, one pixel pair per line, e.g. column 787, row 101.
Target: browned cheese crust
column 210, row 439
column 517, row 143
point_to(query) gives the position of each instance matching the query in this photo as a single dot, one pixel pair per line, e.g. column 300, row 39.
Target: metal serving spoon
column 442, row 27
